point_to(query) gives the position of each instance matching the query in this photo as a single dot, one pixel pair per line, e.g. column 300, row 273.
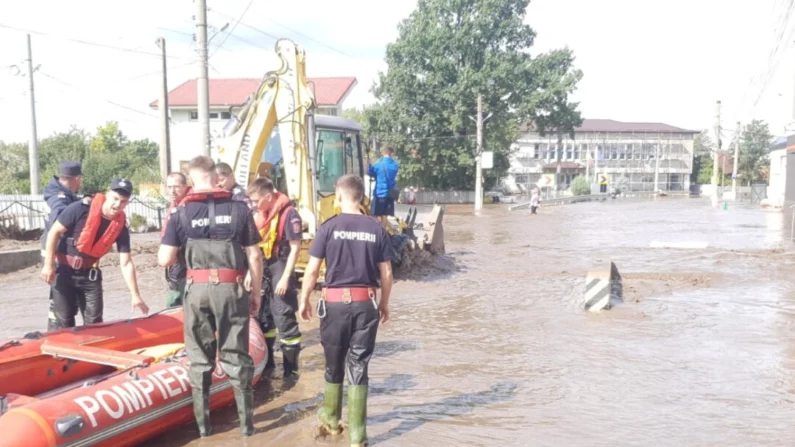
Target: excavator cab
column 339, row 152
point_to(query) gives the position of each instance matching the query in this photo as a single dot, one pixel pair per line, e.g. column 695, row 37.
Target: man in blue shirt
column 385, row 173
column 59, row 193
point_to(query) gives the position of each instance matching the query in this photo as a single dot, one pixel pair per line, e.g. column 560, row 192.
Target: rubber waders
column 330, row 413
column 357, row 414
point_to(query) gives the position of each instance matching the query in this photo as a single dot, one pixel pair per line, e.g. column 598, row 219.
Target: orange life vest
column 271, row 226
column 171, row 210
column 86, row 244
column 201, row 196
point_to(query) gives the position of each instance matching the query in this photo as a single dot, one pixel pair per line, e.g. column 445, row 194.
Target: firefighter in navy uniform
column 226, row 180
column 84, row 232
column 59, row 193
column 220, row 240
column 358, row 254
column 280, row 227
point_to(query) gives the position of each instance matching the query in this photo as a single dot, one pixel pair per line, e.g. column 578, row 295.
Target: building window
column 569, row 151
column 536, row 150
column 194, row 116
column 329, row 111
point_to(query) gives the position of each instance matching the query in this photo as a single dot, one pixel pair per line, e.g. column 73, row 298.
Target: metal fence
column 443, row 197
column 29, row 212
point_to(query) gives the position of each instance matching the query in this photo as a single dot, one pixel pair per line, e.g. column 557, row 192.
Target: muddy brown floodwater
column 491, row 345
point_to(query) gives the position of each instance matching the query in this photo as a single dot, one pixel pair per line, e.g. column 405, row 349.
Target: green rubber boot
column 357, row 415
column 331, row 411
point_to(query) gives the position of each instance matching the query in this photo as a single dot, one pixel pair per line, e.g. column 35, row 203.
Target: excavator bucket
column 430, row 233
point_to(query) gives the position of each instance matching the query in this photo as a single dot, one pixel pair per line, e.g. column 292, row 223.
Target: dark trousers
column 382, row 206
column 347, row 333
column 223, row 308
column 279, row 312
column 73, row 291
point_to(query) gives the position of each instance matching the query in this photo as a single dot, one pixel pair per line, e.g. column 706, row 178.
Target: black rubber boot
column 271, row 363
column 245, row 411
column 201, row 411
column 290, row 356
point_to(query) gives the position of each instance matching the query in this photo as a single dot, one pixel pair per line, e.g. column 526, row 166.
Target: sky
column 645, row 61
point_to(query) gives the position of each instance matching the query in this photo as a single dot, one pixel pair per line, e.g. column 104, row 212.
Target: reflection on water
column 505, row 355
column 495, row 348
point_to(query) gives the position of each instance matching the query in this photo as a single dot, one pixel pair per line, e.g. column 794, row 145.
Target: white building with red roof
column 227, row 97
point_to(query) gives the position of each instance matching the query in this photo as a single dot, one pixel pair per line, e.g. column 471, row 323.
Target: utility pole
column 736, row 160
column 717, row 153
column 202, row 85
column 478, row 158
column 33, row 144
column 165, row 143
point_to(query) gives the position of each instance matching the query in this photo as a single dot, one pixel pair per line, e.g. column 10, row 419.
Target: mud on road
column 489, row 344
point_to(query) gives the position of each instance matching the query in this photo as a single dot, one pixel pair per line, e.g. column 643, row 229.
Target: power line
column 231, row 31
column 277, row 38
column 312, row 39
column 104, row 99
column 773, row 59
column 86, row 42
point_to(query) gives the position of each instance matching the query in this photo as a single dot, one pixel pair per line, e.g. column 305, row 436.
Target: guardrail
column 29, row 212
column 592, row 197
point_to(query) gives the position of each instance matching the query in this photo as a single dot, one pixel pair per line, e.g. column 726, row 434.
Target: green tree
column 703, row 144
column 448, row 52
column 106, row 155
column 754, row 150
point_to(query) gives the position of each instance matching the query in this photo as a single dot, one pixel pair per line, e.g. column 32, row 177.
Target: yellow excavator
column 277, row 135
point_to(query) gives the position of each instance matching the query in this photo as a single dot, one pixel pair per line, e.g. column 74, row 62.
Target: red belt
column 347, row 295
column 76, row 262
column 214, row 276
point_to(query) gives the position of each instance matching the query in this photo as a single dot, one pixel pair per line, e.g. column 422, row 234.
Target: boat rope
column 9, row 344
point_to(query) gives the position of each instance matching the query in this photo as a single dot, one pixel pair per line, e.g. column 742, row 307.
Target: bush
column 580, row 186
column 137, row 221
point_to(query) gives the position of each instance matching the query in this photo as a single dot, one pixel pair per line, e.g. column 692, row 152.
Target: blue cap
column 122, row 185
column 71, row 168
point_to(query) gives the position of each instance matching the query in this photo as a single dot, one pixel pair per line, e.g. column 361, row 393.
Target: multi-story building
column 227, row 97
column 629, row 154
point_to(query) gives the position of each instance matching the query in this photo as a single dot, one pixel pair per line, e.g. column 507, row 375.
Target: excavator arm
column 275, row 136
column 270, row 137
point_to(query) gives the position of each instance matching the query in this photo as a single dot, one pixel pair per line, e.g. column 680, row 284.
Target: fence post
column 159, row 218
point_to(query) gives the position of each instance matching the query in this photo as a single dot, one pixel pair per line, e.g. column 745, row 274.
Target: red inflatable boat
column 148, row 393
column 26, row 369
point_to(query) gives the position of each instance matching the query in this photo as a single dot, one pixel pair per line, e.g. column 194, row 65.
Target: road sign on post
column 487, row 160
column 547, row 180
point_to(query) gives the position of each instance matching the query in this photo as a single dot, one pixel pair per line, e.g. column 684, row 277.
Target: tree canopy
column 448, row 52
column 105, row 155
column 754, row 150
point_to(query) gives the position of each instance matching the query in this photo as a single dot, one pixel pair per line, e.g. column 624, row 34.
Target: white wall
column 778, row 177
column 186, row 134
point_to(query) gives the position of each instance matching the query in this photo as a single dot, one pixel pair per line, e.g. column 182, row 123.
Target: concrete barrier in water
column 14, row 260
column 603, row 289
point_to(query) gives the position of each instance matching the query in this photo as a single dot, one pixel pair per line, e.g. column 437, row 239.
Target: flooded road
column 493, row 346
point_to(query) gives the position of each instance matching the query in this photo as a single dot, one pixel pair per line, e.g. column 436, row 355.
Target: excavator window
column 272, row 161
column 339, row 154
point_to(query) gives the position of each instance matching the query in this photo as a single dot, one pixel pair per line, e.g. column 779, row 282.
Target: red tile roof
column 602, row 125
column 233, row 92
